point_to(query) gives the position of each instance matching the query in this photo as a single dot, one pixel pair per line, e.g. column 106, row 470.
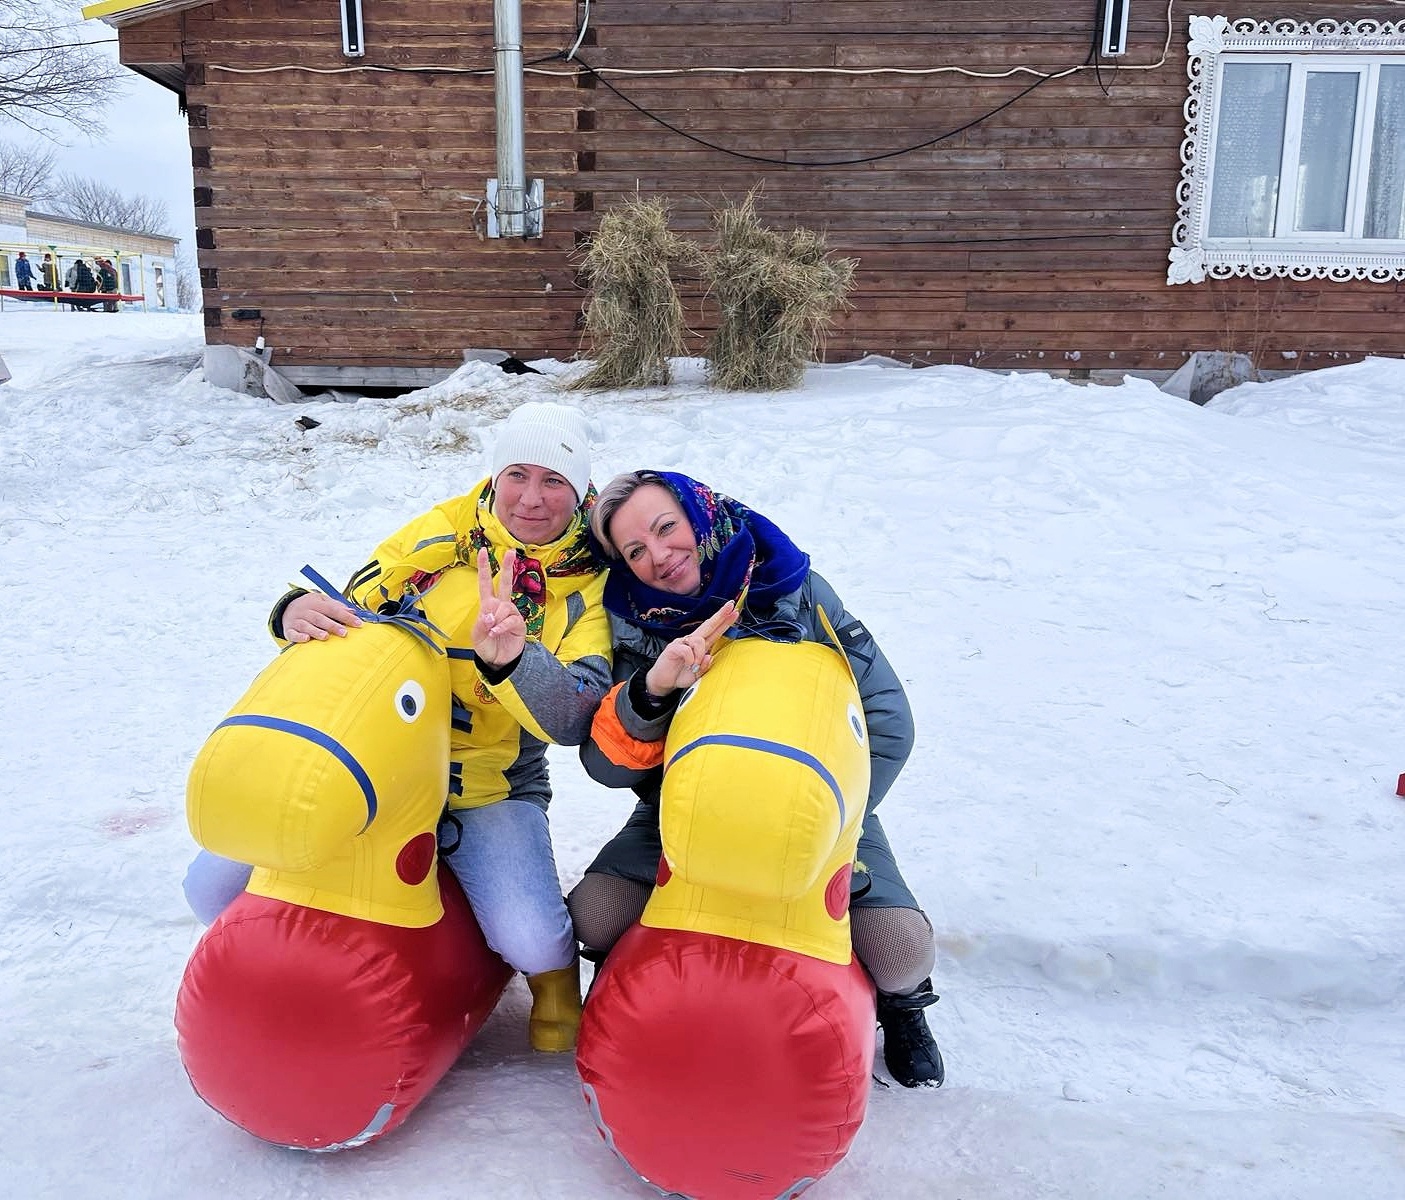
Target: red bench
column 88, row 299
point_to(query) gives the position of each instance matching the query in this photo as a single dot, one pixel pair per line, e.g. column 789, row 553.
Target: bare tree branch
column 49, row 74
column 188, row 294
column 27, row 171
column 101, row 204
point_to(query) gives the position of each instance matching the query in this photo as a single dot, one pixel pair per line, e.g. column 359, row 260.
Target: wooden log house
column 1018, row 194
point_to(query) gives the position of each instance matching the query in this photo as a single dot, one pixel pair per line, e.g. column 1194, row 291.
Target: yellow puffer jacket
column 502, row 723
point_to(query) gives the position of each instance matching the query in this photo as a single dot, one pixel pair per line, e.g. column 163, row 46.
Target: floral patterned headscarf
column 743, row 556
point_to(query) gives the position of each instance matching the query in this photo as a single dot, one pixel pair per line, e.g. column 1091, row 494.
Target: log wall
column 1008, row 220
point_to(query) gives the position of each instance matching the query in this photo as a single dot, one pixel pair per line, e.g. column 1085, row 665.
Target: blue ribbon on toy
column 404, row 613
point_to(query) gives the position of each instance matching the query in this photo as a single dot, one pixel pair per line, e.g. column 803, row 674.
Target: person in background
column 50, row 273
column 24, row 273
column 107, row 283
column 688, row 565
column 80, row 279
column 535, row 672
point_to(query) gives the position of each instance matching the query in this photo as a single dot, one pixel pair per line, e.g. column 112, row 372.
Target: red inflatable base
column 322, row 1032
column 725, row 1070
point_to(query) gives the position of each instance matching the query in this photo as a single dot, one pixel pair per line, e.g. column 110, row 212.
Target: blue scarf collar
column 744, row 557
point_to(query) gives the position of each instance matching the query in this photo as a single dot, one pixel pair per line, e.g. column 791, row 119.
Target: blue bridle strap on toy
column 406, row 613
column 317, row 738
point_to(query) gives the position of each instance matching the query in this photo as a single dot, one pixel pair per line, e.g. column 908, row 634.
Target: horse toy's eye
column 856, row 725
column 409, row 701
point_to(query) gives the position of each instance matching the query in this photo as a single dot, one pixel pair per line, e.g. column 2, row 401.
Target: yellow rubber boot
column 556, row 1009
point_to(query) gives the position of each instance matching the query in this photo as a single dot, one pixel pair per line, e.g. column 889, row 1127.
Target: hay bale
column 634, row 318
column 777, row 292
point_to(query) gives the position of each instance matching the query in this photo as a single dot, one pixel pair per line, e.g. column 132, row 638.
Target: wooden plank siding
column 1004, row 221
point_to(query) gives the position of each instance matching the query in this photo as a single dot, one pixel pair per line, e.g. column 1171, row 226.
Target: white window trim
column 1192, row 260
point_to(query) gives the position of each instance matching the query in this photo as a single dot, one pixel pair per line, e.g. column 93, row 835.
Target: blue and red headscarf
column 743, row 557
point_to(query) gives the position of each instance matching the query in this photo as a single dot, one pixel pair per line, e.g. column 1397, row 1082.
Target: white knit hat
column 546, row 435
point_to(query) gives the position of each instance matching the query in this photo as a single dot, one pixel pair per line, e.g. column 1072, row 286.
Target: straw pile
column 634, row 319
column 777, row 293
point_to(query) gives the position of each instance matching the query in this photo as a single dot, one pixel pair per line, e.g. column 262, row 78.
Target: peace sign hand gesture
column 684, row 659
column 500, row 633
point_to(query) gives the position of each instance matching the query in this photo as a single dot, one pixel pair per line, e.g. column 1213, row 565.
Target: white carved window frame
column 1194, row 256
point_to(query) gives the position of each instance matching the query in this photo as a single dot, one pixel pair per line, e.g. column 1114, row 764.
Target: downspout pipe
column 511, row 147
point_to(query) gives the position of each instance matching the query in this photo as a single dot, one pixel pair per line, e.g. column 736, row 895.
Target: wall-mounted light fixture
column 353, row 35
column 1113, row 42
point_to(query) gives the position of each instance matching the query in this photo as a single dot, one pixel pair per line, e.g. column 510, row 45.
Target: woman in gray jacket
column 701, row 566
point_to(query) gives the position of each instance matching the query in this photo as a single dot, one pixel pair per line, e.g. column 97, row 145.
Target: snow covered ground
column 1155, row 656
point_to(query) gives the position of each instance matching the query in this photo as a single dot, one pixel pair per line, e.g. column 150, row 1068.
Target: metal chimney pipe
column 511, row 201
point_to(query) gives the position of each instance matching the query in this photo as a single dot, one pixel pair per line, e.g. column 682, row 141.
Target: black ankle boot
column 909, row 1050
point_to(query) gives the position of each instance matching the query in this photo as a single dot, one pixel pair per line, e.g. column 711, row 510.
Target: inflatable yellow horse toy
column 329, row 998
column 728, row 1040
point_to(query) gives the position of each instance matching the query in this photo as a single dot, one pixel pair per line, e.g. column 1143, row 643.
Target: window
column 1294, row 152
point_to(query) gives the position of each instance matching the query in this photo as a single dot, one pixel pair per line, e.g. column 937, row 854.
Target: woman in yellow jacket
column 536, row 667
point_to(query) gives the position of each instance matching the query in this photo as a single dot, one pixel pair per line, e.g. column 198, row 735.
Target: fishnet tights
column 895, row 945
column 603, row 906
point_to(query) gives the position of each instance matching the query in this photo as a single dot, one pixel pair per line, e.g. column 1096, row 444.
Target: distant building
column 146, row 262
